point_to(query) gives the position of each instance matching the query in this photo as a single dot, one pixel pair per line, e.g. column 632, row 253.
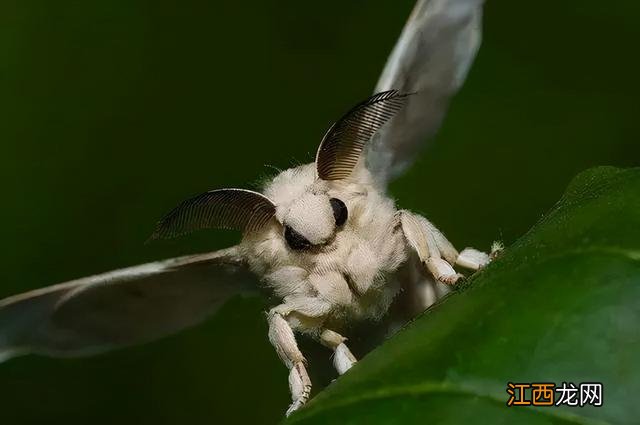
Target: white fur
column 472, row 259
column 351, row 272
column 345, row 273
column 343, row 359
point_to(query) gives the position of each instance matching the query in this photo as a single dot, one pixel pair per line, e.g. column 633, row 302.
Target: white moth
column 323, row 237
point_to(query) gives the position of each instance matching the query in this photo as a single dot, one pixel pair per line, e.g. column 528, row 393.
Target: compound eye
column 340, row 212
column 295, row 240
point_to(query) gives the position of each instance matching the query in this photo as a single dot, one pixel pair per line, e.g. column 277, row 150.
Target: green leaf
column 562, row 304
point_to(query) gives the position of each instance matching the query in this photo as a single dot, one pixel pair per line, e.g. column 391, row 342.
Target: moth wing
column 123, row 307
column 431, row 59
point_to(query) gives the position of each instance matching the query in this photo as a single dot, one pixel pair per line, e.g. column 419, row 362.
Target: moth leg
column 471, row 258
column 431, row 246
column 428, row 291
column 283, row 340
column 343, row 359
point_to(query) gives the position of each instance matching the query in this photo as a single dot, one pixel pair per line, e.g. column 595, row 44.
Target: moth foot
column 300, row 386
column 343, row 359
column 496, row 249
column 471, row 258
column 296, row 405
column 442, row 271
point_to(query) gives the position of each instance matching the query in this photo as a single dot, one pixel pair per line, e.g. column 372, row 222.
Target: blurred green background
column 113, row 111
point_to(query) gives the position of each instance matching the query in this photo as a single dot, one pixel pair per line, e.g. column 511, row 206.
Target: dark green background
column 112, row 111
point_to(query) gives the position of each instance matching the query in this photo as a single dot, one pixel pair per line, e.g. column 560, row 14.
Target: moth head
column 312, row 220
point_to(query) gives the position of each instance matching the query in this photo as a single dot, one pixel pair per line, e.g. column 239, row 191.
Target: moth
column 323, row 237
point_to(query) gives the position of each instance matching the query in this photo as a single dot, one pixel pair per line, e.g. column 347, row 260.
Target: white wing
column 122, row 307
column 431, row 58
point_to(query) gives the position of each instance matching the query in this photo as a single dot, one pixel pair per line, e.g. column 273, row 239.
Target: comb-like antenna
column 237, row 209
column 341, row 147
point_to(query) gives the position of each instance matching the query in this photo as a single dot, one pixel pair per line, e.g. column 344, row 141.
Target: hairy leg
column 420, row 291
column 342, row 359
column 284, row 342
column 297, row 313
column 472, row 259
column 418, row 232
column 436, row 252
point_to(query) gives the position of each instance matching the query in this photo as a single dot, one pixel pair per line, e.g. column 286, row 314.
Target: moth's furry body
column 346, row 272
column 352, row 275
column 323, row 237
